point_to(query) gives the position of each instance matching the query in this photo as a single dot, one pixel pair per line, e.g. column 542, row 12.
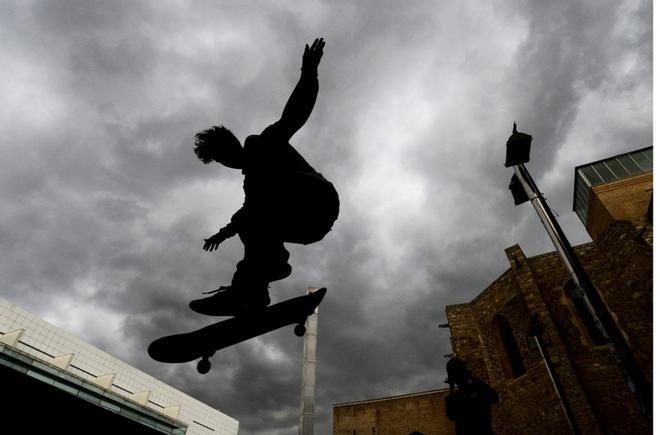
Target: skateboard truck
column 300, row 329
column 204, row 365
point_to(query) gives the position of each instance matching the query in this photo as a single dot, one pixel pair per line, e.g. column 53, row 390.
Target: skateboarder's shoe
column 227, row 301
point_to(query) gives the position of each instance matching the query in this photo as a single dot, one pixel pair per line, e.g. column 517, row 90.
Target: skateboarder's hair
column 208, row 141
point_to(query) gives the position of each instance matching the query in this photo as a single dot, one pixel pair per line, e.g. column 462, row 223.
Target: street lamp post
column 524, row 189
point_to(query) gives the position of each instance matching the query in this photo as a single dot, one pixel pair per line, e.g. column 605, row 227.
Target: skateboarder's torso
column 274, row 170
column 281, row 188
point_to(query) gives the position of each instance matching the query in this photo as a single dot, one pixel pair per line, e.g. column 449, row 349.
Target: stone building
column 399, row 415
column 612, row 198
column 617, row 188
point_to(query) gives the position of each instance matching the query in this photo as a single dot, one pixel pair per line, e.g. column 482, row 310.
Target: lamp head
column 517, row 147
column 518, row 191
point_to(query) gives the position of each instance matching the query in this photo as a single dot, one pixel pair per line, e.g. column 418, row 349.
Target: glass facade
column 605, row 171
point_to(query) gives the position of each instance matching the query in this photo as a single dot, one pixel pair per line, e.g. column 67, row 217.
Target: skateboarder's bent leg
column 265, row 256
column 265, row 260
column 270, row 265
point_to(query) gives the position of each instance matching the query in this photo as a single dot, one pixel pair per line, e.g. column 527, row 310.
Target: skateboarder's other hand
column 212, row 243
column 312, row 55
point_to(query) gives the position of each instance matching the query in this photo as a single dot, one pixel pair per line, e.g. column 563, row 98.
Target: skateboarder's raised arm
column 302, row 99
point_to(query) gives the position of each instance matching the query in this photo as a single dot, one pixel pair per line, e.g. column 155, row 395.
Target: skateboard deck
column 204, row 342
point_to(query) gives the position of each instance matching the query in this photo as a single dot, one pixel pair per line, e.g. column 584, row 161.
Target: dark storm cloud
column 104, row 205
column 566, row 54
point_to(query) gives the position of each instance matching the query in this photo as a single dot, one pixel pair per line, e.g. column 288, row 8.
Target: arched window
column 584, row 315
column 512, row 362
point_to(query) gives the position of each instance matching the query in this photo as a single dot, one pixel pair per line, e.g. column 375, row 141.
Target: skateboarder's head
column 219, row 144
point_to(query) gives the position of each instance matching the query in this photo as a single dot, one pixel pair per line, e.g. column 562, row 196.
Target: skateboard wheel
column 300, row 330
column 204, row 366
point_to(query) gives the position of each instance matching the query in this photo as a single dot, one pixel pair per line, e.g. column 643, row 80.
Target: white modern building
column 49, row 377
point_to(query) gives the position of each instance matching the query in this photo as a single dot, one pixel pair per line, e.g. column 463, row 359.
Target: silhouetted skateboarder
column 469, row 404
column 286, row 200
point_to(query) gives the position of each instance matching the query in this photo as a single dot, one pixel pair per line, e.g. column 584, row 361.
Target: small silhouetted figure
column 469, row 400
column 286, row 200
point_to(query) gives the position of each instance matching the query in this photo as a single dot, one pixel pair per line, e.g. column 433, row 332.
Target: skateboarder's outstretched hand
column 212, row 243
column 312, row 56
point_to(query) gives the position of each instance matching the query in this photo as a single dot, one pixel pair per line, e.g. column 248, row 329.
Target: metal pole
column 309, row 373
column 618, row 346
column 537, row 333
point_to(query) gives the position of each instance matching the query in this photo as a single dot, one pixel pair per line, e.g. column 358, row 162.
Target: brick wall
column 626, row 199
column 627, row 249
column 620, row 266
column 401, row 415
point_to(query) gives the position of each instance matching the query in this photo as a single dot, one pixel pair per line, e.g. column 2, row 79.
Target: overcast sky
column 104, row 205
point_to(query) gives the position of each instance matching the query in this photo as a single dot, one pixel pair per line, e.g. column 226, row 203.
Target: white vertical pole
column 309, row 373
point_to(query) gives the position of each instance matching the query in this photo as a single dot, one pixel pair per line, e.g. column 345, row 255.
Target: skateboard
column 203, row 343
